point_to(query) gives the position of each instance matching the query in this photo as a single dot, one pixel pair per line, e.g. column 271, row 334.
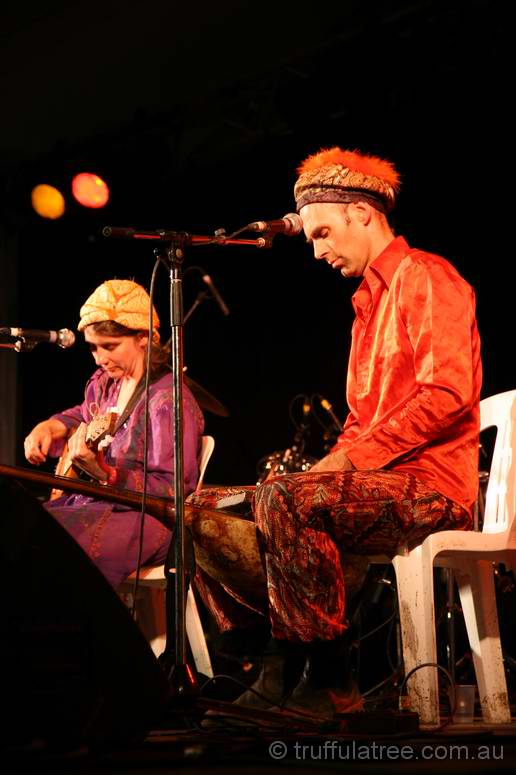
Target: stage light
column 90, row 190
column 47, row 201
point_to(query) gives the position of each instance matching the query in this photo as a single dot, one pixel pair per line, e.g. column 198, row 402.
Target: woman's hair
column 160, row 354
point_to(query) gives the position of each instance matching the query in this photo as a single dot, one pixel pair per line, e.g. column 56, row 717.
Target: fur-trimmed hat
column 335, row 175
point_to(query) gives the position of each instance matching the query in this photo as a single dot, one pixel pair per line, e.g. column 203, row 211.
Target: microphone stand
column 183, row 683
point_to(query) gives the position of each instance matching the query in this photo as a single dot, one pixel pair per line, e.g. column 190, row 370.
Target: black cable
column 394, row 667
column 239, row 683
column 228, row 719
column 380, row 684
column 235, row 233
column 357, row 613
column 145, row 438
column 317, row 396
column 450, row 680
column 261, row 696
column 378, row 627
column 242, row 685
column 219, row 237
column 306, row 402
column 331, row 430
column 390, row 620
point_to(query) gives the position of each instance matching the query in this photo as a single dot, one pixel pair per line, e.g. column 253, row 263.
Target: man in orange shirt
column 406, row 463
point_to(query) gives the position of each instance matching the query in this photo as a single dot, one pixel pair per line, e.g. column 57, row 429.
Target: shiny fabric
column 307, row 525
column 412, row 433
column 109, row 532
column 415, row 373
column 306, row 521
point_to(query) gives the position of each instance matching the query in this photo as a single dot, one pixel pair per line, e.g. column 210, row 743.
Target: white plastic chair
column 471, row 556
column 151, row 599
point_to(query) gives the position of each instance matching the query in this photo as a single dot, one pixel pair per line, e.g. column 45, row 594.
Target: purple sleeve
column 73, row 417
column 160, row 477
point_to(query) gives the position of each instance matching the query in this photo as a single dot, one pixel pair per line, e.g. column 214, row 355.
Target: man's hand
column 335, row 461
column 37, row 443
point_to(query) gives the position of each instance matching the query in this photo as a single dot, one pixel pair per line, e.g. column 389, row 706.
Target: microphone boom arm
column 194, row 240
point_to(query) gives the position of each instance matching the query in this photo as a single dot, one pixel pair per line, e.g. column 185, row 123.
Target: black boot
column 327, row 685
column 282, row 667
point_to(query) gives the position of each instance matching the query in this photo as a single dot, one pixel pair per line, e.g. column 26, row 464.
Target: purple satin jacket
column 109, row 532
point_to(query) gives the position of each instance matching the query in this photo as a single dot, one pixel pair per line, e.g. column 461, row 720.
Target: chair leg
column 475, row 581
column 414, row 577
column 157, row 627
column 150, row 613
column 196, row 636
column 193, row 627
column 150, row 617
column 152, row 621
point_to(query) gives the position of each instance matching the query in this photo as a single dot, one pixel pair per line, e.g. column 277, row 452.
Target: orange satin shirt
column 415, row 373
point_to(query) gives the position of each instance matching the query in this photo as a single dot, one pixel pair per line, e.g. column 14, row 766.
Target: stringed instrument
column 99, row 433
column 226, row 546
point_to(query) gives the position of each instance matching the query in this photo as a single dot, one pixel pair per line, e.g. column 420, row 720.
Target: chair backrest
column 500, row 504
column 207, row 447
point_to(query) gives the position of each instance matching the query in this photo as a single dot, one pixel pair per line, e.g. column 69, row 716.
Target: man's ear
column 363, row 212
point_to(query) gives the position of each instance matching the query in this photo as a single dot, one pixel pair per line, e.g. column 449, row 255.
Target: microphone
column 328, row 407
column 64, row 337
column 291, row 224
column 216, row 295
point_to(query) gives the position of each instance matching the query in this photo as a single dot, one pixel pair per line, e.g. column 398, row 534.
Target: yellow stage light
column 90, row 190
column 47, row 201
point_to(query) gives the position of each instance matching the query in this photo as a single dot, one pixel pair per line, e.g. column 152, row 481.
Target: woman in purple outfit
column 114, row 320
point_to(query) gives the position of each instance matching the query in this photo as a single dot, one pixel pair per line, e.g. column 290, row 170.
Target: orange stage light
column 90, row 190
column 47, row 201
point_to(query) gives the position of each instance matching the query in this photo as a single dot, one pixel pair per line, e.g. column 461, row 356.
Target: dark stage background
column 197, row 118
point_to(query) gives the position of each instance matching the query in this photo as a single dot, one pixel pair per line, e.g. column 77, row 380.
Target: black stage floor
column 257, row 748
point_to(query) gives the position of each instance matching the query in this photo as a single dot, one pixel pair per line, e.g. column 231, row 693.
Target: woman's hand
column 37, row 443
column 84, row 457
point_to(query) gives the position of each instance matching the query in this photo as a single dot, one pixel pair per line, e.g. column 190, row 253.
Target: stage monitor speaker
column 74, row 667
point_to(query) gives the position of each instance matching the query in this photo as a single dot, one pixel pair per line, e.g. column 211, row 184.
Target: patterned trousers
column 305, row 523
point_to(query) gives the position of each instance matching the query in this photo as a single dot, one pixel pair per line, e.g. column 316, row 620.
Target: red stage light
column 90, row 190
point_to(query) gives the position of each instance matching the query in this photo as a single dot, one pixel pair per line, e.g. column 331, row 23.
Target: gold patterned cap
column 122, row 301
column 335, row 175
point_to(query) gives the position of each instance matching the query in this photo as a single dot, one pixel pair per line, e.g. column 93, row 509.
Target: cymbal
column 205, row 399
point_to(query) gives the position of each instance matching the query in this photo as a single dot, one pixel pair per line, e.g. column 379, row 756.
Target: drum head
column 226, row 548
